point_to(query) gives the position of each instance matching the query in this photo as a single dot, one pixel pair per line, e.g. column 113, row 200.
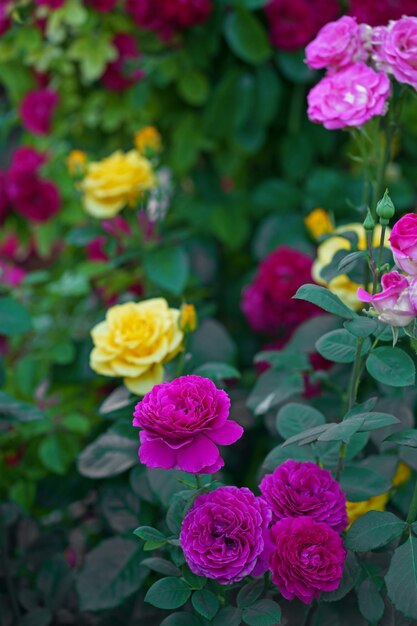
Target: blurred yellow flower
column 402, row 475
column 134, row 342
column 357, row 509
column 148, row 139
column 188, row 318
column 318, row 223
column 115, row 182
column 76, row 162
column 342, row 285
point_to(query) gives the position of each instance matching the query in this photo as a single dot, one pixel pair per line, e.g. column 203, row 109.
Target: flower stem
column 198, row 481
column 379, row 262
column 412, row 511
column 311, row 614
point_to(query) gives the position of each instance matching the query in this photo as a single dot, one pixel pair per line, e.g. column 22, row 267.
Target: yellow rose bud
column 402, row 475
column 318, row 223
column 134, row 342
column 342, row 285
column 355, row 510
column 115, row 182
column 76, row 162
column 148, row 139
column 188, row 318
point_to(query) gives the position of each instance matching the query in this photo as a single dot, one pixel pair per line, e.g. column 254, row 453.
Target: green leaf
column 294, row 68
column 371, row 605
column 194, row 87
column 374, row 420
column 249, row 593
column 340, row 346
column 193, row 580
column 217, row 372
column 181, row 619
column 272, row 388
column 205, row 603
column 262, row 613
column 391, row 366
column 307, row 436
column 147, row 533
column 361, row 483
column 349, row 578
column 162, row 566
column 324, row 299
column 361, row 326
column 406, row 437
column 276, row 194
column 285, row 359
column 229, row 616
column 373, row 530
column 401, row 579
column 16, row 411
column 109, row 455
column 57, row 451
column 14, row 318
column 92, row 59
column 168, row 593
column 294, row 418
column 111, row 573
column 350, row 261
column 343, row 431
column 168, row 268
column 246, row 36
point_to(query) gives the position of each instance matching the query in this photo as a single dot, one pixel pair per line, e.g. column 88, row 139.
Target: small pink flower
column 403, row 240
column 350, row 97
column 337, row 45
column 182, row 424
column 307, row 558
column 393, row 303
column 37, row 109
column 397, row 50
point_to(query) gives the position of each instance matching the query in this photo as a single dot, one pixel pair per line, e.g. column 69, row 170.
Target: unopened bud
column 385, row 209
column 369, row 223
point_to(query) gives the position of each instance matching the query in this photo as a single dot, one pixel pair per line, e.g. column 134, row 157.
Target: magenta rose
column 52, row 4
column 117, row 75
column 182, row 424
column 337, row 45
column 307, row 558
column 4, row 198
column 394, row 303
column 267, row 301
column 297, row 489
column 104, row 6
column 396, row 49
column 381, row 12
column 5, row 21
column 225, row 535
column 37, row 110
column 167, row 16
column 403, row 240
column 350, row 97
column 294, row 23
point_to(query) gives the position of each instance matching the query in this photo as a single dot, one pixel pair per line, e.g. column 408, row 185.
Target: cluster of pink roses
column 24, row 190
column 396, row 304
column 227, row 533
column 359, row 60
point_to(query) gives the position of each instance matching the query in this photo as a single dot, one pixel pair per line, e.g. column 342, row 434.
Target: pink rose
column 117, row 75
column 182, row 424
column 397, row 49
column 349, row 98
column 37, row 109
column 294, row 23
column 393, row 303
column 337, row 44
column 308, row 558
column 403, row 240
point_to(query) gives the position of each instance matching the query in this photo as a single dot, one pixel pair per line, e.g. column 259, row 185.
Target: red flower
column 37, row 109
column 167, row 16
column 381, row 12
column 104, row 6
column 294, row 23
column 52, row 4
column 117, row 75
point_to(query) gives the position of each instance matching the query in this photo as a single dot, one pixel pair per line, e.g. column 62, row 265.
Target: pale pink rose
column 403, row 240
column 393, row 303
column 396, row 49
column 337, row 45
column 350, row 97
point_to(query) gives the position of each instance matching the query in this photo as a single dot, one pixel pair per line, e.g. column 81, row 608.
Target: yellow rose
column 148, row 139
column 402, row 475
column 116, row 181
column 76, row 162
column 342, row 285
column 318, row 223
column 134, row 342
column 357, row 509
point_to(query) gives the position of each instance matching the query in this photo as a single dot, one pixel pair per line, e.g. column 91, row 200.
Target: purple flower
column 395, row 302
column 37, row 109
column 350, row 97
column 403, row 240
column 182, row 423
column 337, row 45
column 225, row 535
column 307, row 558
column 297, row 489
